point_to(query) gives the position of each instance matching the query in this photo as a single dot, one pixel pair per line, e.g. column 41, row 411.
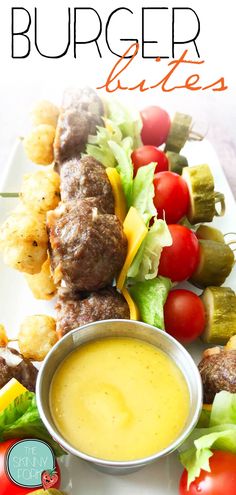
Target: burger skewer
column 87, row 243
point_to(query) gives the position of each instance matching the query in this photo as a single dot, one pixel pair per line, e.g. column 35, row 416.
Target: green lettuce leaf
column 127, row 119
column 21, row 419
column 122, row 153
column 113, row 144
column 150, row 297
column 50, row 491
column 224, row 409
column 146, row 262
column 98, row 145
column 143, row 192
column 216, row 430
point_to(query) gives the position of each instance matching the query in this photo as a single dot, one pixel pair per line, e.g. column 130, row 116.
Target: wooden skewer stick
column 9, row 195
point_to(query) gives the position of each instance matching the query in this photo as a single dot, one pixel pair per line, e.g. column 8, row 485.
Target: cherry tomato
column 184, row 315
column 8, row 487
column 180, row 260
column 147, row 154
column 156, row 125
column 220, row 481
column 171, row 196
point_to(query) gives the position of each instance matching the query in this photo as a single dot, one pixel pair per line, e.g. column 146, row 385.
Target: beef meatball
column 76, row 309
column 218, row 372
column 81, row 113
column 86, row 178
column 13, row 365
column 84, row 100
column 88, row 246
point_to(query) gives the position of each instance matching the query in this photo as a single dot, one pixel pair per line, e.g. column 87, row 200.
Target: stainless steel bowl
column 124, row 328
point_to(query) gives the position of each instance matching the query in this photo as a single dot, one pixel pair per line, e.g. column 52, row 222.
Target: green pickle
column 201, row 191
column 215, row 264
column 220, row 310
column 179, row 132
column 209, row 234
column 176, row 162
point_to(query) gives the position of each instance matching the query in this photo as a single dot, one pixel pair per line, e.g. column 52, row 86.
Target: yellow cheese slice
column 9, row 392
column 133, row 309
column 207, row 407
column 118, row 193
column 135, row 231
column 3, row 336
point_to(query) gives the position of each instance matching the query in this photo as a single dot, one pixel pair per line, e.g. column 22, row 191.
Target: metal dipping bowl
column 119, row 328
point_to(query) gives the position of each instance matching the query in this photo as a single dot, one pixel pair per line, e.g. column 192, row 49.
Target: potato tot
column 24, row 240
column 41, row 190
column 37, row 336
column 38, row 144
column 41, row 284
column 45, row 112
column 3, row 336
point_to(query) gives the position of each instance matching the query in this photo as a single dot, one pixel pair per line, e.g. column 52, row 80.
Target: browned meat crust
column 86, row 178
column 81, row 113
column 218, row 372
column 25, row 372
column 76, row 309
column 88, row 247
column 5, row 372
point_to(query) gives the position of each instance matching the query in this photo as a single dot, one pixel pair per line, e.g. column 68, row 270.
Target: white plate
column 16, row 302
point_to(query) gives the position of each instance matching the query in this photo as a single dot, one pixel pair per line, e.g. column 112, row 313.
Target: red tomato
column 171, row 196
column 156, row 125
column 180, row 260
column 8, row 487
column 220, row 481
column 147, row 154
column 184, row 315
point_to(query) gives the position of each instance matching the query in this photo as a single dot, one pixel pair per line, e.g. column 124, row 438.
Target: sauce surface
column 119, row 399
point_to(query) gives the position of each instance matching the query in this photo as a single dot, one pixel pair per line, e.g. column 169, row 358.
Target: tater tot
column 41, row 284
column 24, row 240
column 3, row 336
column 40, row 190
column 37, row 336
column 44, row 112
column 38, row 144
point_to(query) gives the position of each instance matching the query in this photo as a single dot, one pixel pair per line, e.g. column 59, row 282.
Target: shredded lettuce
column 50, row 491
column 98, row 145
column 150, row 297
column 114, row 143
column 146, row 262
column 122, row 153
column 127, row 119
column 21, row 419
column 215, row 430
column 143, row 192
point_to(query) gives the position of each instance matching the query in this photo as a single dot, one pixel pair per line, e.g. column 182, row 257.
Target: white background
column 26, row 80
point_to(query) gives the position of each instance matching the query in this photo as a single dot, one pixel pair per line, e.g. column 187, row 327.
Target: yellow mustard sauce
column 119, row 399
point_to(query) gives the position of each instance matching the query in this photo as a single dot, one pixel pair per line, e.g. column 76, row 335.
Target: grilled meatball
column 81, row 113
column 13, row 365
column 218, row 372
column 83, row 99
column 86, row 178
column 88, row 247
column 75, row 309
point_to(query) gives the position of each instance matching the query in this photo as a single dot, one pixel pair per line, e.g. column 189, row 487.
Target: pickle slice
column 201, row 190
column 220, row 308
column 209, row 233
column 179, row 132
column 215, row 264
column 176, row 162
